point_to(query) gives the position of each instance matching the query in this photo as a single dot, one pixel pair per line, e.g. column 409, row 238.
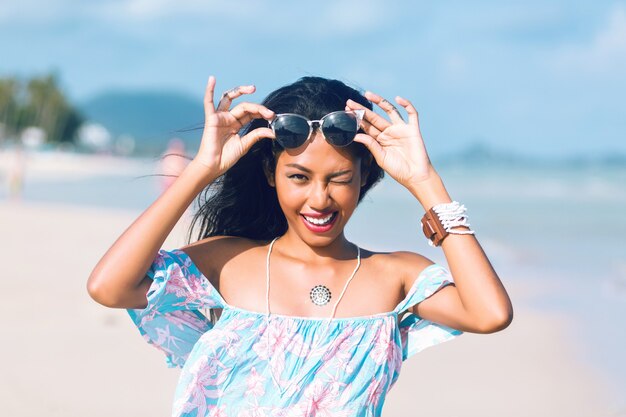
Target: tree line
column 37, row 102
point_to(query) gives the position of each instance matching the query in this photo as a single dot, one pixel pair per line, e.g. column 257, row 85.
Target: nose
column 319, row 196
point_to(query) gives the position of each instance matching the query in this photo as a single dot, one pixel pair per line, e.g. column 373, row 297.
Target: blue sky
column 533, row 77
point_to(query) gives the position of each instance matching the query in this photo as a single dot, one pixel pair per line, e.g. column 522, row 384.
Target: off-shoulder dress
column 254, row 364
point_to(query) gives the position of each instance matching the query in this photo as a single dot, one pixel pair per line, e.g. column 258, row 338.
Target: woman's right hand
column 119, row 278
column 221, row 144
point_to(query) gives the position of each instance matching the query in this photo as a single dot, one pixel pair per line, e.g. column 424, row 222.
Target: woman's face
column 318, row 187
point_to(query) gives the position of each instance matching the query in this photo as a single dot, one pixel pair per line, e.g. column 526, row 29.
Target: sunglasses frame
column 313, row 124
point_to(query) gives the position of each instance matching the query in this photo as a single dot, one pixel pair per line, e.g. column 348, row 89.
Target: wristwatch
column 432, row 227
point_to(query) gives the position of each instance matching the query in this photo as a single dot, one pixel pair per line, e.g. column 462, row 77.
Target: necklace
column 320, row 295
column 324, row 298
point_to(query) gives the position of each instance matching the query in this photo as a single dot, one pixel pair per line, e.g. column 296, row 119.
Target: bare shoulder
column 219, row 242
column 405, row 265
column 212, row 253
column 411, row 261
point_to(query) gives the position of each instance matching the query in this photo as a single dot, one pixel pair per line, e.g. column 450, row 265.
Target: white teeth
column 321, row 221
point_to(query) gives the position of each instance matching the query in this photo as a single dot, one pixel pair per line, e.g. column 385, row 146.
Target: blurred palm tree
column 38, row 102
column 9, row 89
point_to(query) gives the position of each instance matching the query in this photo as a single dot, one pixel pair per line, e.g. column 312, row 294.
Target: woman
column 321, row 329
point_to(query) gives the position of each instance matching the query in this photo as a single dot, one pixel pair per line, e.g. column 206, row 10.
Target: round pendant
column 320, row 295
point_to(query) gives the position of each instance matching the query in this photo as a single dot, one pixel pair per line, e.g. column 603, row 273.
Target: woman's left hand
column 397, row 146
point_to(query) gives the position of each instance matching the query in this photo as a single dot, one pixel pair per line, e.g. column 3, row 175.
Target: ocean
column 559, row 227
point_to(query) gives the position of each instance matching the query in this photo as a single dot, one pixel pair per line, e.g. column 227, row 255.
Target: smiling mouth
column 321, row 221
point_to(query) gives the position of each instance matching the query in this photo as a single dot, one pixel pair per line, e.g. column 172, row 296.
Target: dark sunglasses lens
column 340, row 128
column 291, row 131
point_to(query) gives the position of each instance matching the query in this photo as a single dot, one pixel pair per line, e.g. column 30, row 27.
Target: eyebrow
column 334, row 174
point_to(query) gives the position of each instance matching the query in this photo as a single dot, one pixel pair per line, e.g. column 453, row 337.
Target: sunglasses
column 338, row 128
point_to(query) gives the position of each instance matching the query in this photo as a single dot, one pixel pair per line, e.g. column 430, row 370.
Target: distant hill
column 150, row 117
column 482, row 154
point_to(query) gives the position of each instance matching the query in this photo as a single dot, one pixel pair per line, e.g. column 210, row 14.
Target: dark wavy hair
column 241, row 202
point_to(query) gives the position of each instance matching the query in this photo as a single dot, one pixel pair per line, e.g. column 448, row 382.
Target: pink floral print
column 345, row 369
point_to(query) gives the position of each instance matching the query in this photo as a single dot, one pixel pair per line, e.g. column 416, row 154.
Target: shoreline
column 533, row 367
column 563, row 336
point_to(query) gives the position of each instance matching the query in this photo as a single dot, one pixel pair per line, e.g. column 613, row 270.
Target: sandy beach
column 65, row 355
column 69, row 356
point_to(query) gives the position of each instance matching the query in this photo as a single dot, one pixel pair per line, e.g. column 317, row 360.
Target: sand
column 66, row 355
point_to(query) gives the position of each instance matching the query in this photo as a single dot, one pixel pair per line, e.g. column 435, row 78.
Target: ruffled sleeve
column 171, row 321
column 416, row 333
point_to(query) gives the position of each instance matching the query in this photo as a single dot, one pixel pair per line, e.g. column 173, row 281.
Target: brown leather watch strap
column 432, row 227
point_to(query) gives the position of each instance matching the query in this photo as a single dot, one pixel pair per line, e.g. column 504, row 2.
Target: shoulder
column 412, row 260
column 222, row 242
column 405, row 265
column 212, row 253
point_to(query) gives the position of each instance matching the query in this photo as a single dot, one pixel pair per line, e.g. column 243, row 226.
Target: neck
column 292, row 246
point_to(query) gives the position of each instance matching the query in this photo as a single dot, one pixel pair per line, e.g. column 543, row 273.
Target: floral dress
column 250, row 364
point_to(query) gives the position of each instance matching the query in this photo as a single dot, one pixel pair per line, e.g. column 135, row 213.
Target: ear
column 269, row 174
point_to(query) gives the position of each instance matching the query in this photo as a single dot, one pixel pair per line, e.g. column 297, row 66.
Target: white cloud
column 57, row 11
column 320, row 20
column 604, row 54
column 326, row 18
column 139, row 11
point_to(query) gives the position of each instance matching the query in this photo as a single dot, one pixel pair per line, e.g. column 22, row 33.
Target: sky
column 532, row 77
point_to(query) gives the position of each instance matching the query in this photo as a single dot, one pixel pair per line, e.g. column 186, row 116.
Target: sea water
column 560, row 227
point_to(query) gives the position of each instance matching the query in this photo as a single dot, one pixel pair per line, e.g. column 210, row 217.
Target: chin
column 320, row 240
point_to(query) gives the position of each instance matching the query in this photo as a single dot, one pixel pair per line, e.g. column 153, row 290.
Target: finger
column 230, row 95
column 370, row 129
column 367, row 126
column 408, row 106
column 384, row 104
column 209, row 107
column 374, row 147
column 244, row 110
column 248, row 117
column 254, row 136
column 374, row 119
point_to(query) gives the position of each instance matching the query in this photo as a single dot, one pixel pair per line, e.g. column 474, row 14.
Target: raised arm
column 119, row 278
column 477, row 302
